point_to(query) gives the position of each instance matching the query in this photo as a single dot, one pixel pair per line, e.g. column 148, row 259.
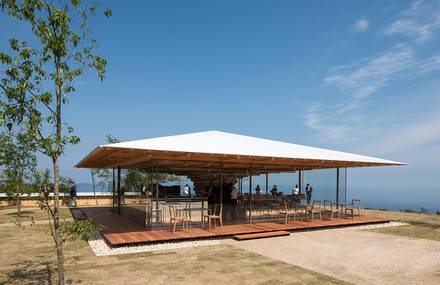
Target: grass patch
column 421, row 225
column 9, row 215
column 27, row 256
column 415, row 229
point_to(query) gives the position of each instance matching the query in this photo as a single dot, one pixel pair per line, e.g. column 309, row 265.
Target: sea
column 324, row 192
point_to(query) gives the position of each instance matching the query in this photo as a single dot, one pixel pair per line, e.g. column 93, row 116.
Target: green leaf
column 108, row 13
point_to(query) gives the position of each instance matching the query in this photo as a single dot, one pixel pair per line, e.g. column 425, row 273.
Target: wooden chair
column 354, row 206
column 187, row 210
column 286, row 212
column 312, row 209
column 330, row 209
column 175, row 218
column 214, row 216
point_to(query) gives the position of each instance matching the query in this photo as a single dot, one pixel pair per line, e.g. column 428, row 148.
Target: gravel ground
column 355, row 255
column 101, row 248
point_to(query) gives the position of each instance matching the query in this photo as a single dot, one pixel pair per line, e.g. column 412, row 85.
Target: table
column 189, row 210
column 341, row 208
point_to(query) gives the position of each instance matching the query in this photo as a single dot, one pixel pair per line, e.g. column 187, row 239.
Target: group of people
column 309, row 189
column 229, row 194
column 295, row 191
column 273, row 191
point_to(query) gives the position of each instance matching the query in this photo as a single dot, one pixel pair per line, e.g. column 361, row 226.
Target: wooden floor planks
column 261, row 235
column 120, row 230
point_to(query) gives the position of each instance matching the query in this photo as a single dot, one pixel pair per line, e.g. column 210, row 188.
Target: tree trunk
column 17, row 201
column 55, row 155
column 56, row 223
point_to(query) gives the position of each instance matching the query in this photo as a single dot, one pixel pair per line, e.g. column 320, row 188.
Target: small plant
column 407, row 210
column 423, row 211
column 438, row 212
column 83, row 229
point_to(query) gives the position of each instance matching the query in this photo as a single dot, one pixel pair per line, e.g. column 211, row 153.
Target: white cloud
column 328, row 121
column 366, row 79
column 422, row 132
column 420, row 21
column 361, row 25
column 400, row 62
column 345, row 120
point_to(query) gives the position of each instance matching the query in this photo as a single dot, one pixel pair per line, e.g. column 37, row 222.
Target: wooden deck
column 261, row 235
column 120, row 230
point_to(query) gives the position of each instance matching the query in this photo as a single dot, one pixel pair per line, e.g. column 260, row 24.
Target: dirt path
column 27, row 223
column 359, row 257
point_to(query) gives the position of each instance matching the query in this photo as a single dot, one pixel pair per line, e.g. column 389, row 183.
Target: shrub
column 83, row 229
column 423, row 211
column 407, row 210
column 438, row 212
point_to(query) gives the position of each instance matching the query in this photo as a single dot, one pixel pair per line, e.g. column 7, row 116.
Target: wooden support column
column 221, row 184
column 345, row 186
column 250, row 195
column 157, row 193
column 299, row 181
column 337, row 188
column 113, row 188
column 267, row 183
column 119, row 190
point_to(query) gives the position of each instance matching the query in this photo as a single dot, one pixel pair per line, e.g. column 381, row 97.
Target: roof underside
column 206, row 153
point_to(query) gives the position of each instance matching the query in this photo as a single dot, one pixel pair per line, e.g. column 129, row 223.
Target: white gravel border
column 381, row 225
column 101, row 248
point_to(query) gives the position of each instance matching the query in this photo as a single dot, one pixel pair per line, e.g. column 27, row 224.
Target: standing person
column 258, row 190
column 274, row 191
column 187, row 190
column 309, row 190
column 296, row 190
column 233, row 197
column 72, row 187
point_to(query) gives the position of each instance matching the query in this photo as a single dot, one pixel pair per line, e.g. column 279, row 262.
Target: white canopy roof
column 215, row 146
column 216, row 142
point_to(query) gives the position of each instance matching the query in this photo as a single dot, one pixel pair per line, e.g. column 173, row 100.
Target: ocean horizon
column 328, row 193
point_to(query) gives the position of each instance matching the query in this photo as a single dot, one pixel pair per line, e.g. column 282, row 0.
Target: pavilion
column 223, row 157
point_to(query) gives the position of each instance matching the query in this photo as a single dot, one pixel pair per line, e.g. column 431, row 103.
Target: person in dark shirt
column 274, row 191
column 72, row 187
column 309, row 190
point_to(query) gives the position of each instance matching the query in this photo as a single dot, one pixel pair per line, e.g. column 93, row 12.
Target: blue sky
column 358, row 76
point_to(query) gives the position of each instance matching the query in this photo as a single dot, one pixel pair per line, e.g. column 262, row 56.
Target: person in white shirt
column 233, row 198
column 234, row 195
column 187, row 190
column 296, row 190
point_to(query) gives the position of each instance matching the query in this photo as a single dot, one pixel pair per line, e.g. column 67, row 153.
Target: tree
column 38, row 79
column 102, row 174
column 18, row 160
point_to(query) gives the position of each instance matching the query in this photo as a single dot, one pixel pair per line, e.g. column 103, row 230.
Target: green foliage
column 407, row 210
column 18, row 161
column 423, row 211
column 82, row 229
column 64, row 51
column 438, row 212
column 135, row 179
column 38, row 79
column 378, row 209
column 102, row 175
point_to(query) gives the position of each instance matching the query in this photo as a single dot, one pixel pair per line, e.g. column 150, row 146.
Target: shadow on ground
column 34, row 273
